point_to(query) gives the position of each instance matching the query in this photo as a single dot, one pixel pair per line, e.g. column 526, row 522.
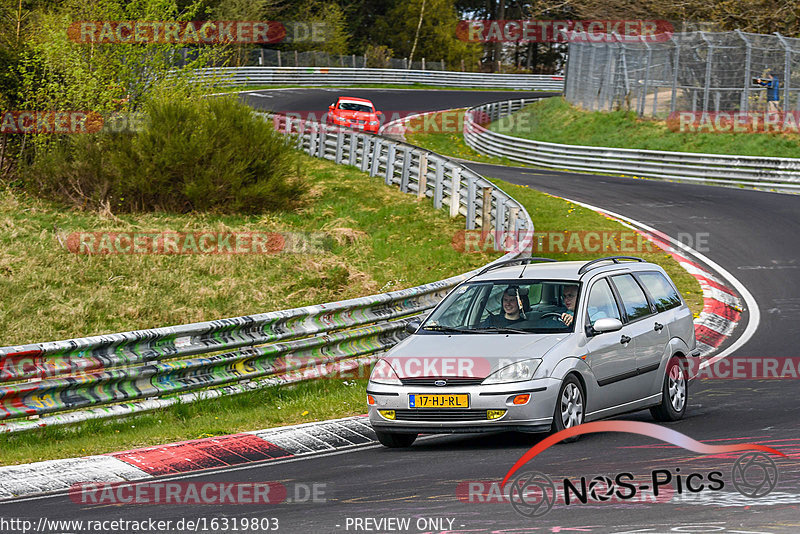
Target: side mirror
column 330, row 108
column 413, row 325
column 379, row 113
column 607, row 324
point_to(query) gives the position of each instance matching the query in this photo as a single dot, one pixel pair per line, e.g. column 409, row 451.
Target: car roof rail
column 615, row 259
column 507, row 262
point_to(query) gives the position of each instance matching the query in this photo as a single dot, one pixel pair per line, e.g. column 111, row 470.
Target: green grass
column 386, row 240
column 554, row 120
column 449, row 141
column 379, row 239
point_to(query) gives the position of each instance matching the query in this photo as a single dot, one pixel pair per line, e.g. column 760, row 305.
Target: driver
column 511, row 310
column 570, row 294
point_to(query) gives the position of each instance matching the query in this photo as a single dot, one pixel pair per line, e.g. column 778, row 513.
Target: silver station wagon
column 535, row 347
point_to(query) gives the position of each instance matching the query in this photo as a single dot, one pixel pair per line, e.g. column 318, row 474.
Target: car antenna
column 524, row 266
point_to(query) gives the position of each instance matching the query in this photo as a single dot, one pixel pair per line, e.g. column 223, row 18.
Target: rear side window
column 633, row 298
column 661, row 290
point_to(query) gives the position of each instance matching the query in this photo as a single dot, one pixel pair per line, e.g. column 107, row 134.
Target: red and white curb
column 185, row 457
column 724, row 297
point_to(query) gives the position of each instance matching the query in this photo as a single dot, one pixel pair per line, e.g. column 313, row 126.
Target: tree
column 437, row 32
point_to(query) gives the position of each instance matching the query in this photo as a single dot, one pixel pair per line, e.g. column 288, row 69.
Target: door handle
column 658, row 327
column 624, row 339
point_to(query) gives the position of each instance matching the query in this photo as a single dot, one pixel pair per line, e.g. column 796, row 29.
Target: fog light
column 495, row 414
column 522, row 399
column 370, row 400
column 388, row 414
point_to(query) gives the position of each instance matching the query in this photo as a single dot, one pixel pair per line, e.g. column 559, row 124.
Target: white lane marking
column 752, row 305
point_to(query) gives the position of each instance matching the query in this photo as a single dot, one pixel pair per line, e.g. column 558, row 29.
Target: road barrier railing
column 122, row 373
column 750, row 171
column 320, row 76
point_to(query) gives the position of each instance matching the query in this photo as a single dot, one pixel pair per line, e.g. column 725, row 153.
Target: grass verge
column 554, row 120
column 447, row 139
column 387, row 240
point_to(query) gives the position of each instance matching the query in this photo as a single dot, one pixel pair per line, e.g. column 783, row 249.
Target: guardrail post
column 279, row 56
column 455, row 192
column 500, row 222
column 390, row 164
column 312, row 142
column 486, row 212
column 353, row 148
column 471, row 194
column 375, row 154
column 339, row 146
column 366, row 144
column 513, row 213
column 301, row 131
column 438, row 186
column 422, row 180
column 406, row 170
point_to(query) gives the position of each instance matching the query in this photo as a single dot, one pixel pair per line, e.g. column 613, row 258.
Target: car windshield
column 351, row 106
column 521, row 307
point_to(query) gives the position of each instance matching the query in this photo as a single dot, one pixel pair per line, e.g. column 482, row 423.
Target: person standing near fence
column 773, row 91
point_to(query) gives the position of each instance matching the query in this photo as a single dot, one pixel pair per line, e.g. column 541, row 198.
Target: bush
column 189, row 155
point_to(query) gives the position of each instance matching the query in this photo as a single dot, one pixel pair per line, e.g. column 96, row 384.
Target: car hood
column 466, row 355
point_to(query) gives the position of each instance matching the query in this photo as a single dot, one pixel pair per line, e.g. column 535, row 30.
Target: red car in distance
column 356, row 113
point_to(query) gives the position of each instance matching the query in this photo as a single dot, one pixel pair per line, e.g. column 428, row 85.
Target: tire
column 570, row 407
column 674, row 393
column 394, row 440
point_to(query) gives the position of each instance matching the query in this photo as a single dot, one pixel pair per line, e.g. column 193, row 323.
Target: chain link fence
column 693, row 71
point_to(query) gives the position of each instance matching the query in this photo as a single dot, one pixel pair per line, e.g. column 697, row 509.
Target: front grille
column 452, row 381
column 435, row 414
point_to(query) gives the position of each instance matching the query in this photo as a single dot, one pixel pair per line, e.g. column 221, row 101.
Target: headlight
column 373, row 123
column 383, row 373
column 516, row 372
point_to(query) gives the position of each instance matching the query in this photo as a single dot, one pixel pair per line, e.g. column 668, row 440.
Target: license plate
column 455, row 400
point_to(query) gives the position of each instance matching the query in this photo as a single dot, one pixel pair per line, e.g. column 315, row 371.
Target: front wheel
column 570, row 407
column 394, row 440
column 674, row 393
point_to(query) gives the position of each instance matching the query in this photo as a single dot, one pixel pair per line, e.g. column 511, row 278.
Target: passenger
column 511, row 310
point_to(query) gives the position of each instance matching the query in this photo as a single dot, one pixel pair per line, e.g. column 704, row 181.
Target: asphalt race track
column 754, row 235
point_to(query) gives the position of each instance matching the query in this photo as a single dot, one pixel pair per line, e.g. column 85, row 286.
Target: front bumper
column 534, row 416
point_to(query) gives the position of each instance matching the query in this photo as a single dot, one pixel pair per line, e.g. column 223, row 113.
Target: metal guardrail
column 123, row 373
column 320, row 76
column 750, row 171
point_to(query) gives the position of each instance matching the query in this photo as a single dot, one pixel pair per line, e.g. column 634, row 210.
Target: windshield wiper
column 442, row 328
column 501, row 330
